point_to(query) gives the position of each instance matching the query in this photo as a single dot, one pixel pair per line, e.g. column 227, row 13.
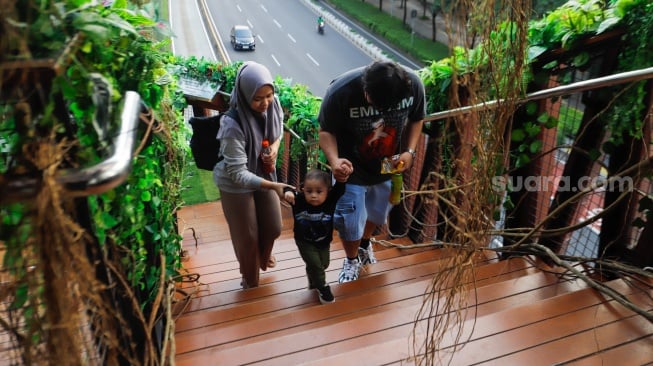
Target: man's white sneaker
column 349, row 270
column 366, row 256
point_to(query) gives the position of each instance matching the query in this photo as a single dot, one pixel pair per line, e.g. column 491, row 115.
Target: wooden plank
column 425, row 266
column 563, row 338
column 281, row 280
column 215, row 259
column 517, row 321
column 636, row 352
column 490, row 329
column 396, row 341
column 230, row 294
column 349, row 324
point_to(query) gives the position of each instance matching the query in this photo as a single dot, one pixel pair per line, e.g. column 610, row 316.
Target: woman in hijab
column 249, row 195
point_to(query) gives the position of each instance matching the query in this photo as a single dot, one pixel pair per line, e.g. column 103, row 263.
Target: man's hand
column 404, row 162
column 342, row 169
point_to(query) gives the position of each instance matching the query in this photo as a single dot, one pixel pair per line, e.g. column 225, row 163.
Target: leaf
column 522, row 160
column 531, row 108
column 536, row 146
column 581, row 59
column 550, row 65
column 535, row 51
column 532, row 129
column 552, row 122
column 518, row 135
column 543, row 117
column 146, row 196
column 21, row 294
column 107, row 220
column 607, row 24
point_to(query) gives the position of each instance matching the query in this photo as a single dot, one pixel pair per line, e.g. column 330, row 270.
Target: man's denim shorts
column 360, row 204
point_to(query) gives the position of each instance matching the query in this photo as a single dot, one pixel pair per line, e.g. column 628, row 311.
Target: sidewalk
column 421, row 26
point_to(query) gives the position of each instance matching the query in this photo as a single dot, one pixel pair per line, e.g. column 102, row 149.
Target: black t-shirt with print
column 365, row 136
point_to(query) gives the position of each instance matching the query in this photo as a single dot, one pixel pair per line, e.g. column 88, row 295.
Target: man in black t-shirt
column 368, row 114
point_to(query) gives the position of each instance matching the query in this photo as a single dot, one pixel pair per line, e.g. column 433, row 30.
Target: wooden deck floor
column 523, row 315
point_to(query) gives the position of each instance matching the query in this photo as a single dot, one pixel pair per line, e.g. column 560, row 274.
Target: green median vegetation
column 392, row 29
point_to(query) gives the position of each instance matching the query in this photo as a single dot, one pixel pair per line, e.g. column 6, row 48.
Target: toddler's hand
column 289, row 197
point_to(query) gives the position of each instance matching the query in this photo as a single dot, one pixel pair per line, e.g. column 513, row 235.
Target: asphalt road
column 190, row 35
column 286, row 35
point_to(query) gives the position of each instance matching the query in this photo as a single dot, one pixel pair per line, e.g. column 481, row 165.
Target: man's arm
column 414, row 134
column 329, row 145
column 341, row 168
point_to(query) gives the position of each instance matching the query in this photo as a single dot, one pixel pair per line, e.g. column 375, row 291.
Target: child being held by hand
column 313, row 209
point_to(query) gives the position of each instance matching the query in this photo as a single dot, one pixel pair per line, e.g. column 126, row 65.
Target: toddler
column 313, row 208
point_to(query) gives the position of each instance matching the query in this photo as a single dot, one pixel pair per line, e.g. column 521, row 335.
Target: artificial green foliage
column 525, row 138
column 221, row 76
column 569, row 23
column 116, row 44
column 625, row 118
column 301, row 109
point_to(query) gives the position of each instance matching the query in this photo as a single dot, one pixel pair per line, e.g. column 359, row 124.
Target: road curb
column 339, row 26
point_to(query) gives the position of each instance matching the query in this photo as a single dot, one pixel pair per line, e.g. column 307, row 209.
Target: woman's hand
column 278, row 188
column 271, row 158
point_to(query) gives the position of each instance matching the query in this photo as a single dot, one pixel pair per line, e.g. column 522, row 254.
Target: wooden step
column 520, row 311
column 517, row 332
column 423, row 264
column 223, row 288
column 357, row 315
column 244, row 303
column 636, row 352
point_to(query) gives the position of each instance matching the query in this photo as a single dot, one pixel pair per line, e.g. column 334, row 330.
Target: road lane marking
column 312, row 59
column 275, row 60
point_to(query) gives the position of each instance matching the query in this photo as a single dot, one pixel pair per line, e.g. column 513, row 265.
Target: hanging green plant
column 134, row 223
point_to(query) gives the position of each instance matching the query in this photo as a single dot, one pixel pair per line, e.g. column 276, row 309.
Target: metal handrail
column 610, row 80
column 91, row 180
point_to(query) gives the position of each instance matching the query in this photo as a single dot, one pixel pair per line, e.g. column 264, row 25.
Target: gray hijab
column 255, row 126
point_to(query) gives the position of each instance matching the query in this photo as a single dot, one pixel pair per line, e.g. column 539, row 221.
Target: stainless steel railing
column 557, row 91
column 95, row 179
